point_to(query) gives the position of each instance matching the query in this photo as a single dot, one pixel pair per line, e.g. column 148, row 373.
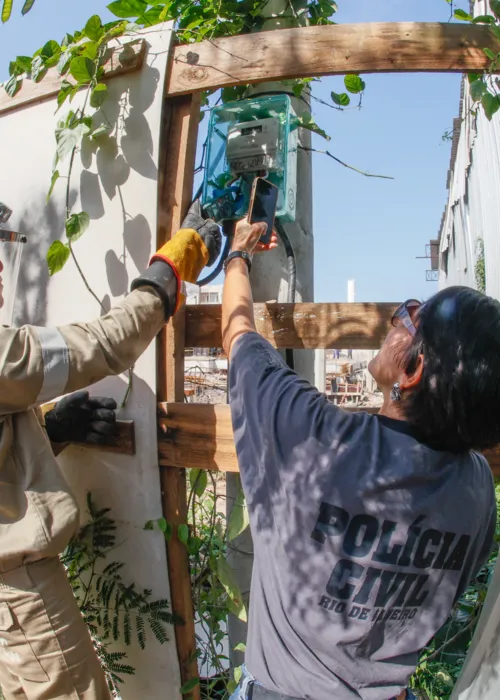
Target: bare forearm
column 237, row 304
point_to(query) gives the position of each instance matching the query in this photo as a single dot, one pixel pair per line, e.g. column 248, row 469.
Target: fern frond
column 141, row 635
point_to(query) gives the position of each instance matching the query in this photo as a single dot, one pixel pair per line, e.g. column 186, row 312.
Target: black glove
column 78, row 418
column 207, row 229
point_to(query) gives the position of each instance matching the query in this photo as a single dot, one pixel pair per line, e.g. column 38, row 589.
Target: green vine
column 484, row 88
column 480, row 268
column 208, row 539
column 111, row 609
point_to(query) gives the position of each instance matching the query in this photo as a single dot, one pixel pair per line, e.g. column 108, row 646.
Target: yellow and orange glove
column 182, row 259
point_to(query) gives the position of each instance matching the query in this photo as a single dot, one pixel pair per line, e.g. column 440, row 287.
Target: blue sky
column 367, row 229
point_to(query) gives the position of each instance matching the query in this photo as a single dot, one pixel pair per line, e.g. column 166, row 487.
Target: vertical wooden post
column 178, row 144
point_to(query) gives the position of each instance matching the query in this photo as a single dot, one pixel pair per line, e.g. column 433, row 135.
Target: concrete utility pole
column 270, row 282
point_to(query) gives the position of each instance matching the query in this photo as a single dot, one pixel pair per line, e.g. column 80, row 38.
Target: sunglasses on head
column 403, row 314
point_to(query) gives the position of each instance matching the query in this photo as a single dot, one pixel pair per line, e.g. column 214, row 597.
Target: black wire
column 292, row 278
column 218, row 268
column 197, row 195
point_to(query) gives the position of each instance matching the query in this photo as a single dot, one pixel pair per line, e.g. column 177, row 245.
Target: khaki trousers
column 45, row 648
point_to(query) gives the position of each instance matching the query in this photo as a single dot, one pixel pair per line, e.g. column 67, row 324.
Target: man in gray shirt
column 366, row 529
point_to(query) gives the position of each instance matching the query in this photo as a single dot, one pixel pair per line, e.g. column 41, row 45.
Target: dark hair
column 456, row 406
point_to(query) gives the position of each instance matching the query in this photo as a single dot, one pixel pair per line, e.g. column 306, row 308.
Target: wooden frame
column 201, row 436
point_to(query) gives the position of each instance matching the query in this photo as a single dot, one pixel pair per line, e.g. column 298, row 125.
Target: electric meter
column 253, row 146
column 246, row 139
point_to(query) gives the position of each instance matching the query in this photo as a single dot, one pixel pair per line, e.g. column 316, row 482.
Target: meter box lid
column 248, row 138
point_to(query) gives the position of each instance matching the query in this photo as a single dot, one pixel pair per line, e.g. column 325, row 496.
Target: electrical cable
column 292, row 278
column 218, row 268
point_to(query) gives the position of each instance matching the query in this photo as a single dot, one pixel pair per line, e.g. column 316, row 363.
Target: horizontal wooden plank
column 343, row 48
column 299, row 326
column 118, row 59
column 121, row 443
column 201, row 436
column 197, row 436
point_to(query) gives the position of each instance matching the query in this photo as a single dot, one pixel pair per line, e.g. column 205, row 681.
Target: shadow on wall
column 42, row 224
column 130, row 147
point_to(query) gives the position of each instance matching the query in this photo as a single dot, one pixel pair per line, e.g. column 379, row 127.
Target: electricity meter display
column 253, row 146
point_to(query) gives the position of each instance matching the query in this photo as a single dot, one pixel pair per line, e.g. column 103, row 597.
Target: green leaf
column 69, row 138
column 490, row 54
column 82, row 69
column 89, row 50
column 194, row 545
column 462, row 15
column 28, row 4
column 76, row 225
column 53, row 180
column 491, row 104
column 98, row 95
column 13, row 86
column 162, row 524
column 183, row 533
column 57, row 256
column 165, row 13
column 190, row 685
column 495, row 7
column 63, row 63
column 198, row 479
column 354, row 84
column 495, row 29
column 240, row 647
column 238, row 672
column 68, row 39
column 7, row 9
column 50, row 53
column 238, row 520
column 94, row 29
column 23, row 64
column 483, row 19
column 165, row 527
column 307, row 122
column 152, row 16
column 342, row 99
column 128, row 8
column 38, row 69
column 477, row 89
column 474, row 76
column 149, row 525
column 228, row 581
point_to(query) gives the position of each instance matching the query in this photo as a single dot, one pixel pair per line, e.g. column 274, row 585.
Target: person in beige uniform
column 45, row 648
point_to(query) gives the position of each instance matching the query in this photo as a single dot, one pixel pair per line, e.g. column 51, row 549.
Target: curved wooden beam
column 343, row 48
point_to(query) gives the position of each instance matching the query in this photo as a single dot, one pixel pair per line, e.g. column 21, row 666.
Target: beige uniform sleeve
column 39, row 364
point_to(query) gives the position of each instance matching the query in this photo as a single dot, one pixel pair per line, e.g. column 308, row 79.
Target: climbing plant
column 112, row 609
column 485, row 87
column 480, row 269
column 442, row 660
column 209, row 538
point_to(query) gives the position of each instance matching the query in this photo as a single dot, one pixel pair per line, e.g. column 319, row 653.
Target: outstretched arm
column 39, row 364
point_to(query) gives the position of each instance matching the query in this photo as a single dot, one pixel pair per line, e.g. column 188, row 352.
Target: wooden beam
column 178, row 145
column 117, row 60
column 298, row 326
column 121, row 443
column 200, row 436
column 343, row 48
